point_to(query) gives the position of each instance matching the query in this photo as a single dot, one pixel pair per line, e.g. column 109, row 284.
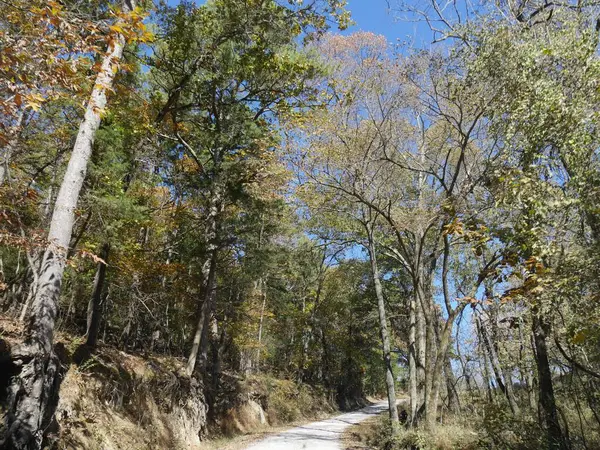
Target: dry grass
column 374, row 434
column 357, row 437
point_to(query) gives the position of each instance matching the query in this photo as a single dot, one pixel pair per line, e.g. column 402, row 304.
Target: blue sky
column 374, row 16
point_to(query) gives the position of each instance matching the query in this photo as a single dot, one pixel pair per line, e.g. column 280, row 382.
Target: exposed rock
column 258, row 411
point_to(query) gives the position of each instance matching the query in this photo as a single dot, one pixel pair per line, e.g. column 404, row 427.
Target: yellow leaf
column 579, row 338
column 116, row 29
column 147, row 36
column 34, row 101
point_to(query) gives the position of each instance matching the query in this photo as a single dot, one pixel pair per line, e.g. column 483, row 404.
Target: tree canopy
column 243, row 188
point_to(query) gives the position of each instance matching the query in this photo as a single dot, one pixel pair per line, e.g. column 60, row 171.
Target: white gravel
column 323, row 435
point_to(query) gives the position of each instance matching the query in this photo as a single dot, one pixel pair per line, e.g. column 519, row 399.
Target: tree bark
column 412, row 360
column 547, row 402
column 209, row 269
column 32, row 387
column 94, row 310
column 421, row 351
column 441, row 357
column 483, row 356
column 200, row 342
column 9, row 148
column 506, row 385
column 432, row 372
column 453, row 398
column 385, row 338
column 263, row 296
column 34, row 260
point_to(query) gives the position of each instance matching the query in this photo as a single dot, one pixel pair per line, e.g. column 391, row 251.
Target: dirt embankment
column 115, row 400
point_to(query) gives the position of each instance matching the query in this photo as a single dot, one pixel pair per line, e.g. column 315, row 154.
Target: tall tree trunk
column 547, row 402
column 432, row 373
column 412, row 360
column 95, row 304
column 442, row 366
column 263, row 297
column 424, row 356
column 421, row 351
column 209, row 272
column 524, row 369
column 260, row 323
column 506, row 385
column 35, row 257
column 383, row 329
column 483, row 359
column 453, row 398
column 32, row 387
column 441, row 356
column 200, row 342
column 421, row 308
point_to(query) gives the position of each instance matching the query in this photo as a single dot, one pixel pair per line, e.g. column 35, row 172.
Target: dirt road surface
column 323, row 435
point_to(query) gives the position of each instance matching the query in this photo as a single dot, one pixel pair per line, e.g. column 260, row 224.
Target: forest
column 213, row 206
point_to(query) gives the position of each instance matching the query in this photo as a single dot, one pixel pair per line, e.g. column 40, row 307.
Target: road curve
column 323, row 435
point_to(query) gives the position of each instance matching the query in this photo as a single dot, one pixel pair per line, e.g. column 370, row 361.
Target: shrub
column 444, row 437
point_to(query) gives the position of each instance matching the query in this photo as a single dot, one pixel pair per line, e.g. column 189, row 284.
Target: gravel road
column 323, row 435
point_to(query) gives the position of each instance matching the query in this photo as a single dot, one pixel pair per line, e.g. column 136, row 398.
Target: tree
column 402, row 140
column 226, row 126
column 32, row 386
column 340, row 167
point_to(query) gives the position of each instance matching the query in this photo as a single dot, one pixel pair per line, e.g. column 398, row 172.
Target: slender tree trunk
column 484, row 362
column 423, row 347
column 385, row 338
column 263, row 296
column 306, row 338
column 453, row 398
column 412, row 360
column 209, row 269
column 436, row 374
column 32, row 387
column 547, row 402
column 209, row 273
column 34, row 265
column 260, row 323
column 506, row 385
column 421, row 309
column 421, row 351
column 210, row 322
column 192, row 358
column 35, row 258
column 200, row 342
column 9, row 148
column 432, row 372
column 95, row 304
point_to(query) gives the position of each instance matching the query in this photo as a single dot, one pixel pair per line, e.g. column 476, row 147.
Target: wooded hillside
column 235, row 191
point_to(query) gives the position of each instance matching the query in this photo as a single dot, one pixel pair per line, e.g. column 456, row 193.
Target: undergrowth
column 494, row 428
